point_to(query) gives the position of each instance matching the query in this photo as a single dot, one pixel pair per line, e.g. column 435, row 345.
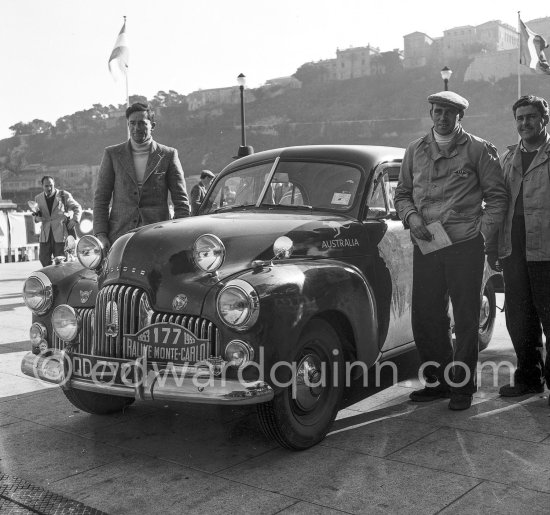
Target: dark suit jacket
column 198, row 192
column 117, row 185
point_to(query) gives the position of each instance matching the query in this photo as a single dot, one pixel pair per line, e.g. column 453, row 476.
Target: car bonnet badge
column 179, row 302
column 111, row 319
column 85, row 295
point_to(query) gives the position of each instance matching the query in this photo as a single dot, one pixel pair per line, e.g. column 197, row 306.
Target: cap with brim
column 449, row 98
column 207, row 173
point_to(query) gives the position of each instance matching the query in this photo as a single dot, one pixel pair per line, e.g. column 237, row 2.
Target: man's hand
column 102, row 237
column 71, row 224
column 494, row 262
column 418, row 227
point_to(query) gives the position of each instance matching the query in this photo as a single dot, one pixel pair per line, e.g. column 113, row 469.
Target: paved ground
column 384, row 454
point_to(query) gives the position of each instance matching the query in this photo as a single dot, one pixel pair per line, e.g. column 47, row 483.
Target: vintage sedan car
column 296, row 275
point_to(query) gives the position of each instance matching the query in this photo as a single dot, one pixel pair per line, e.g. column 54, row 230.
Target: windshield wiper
column 232, row 208
column 304, row 207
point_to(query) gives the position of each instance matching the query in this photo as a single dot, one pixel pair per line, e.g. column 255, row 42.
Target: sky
column 55, row 52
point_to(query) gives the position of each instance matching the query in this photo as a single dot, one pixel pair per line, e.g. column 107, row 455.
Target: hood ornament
column 179, row 302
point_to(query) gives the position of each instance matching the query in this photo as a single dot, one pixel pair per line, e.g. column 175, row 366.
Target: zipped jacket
column 462, row 185
column 536, row 204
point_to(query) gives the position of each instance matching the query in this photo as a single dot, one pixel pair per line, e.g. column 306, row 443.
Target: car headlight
column 238, row 353
column 90, row 252
column 37, row 333
column 38, row 293
column 208, row 252
column 238, row 305
column 65, row 322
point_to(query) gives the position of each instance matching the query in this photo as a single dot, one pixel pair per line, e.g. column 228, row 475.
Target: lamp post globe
column 446, row 73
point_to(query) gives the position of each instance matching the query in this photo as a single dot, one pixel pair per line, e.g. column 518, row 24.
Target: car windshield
column 295, row 184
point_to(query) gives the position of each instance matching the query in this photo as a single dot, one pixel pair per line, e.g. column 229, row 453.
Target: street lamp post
column 244, row 149
column 446, row 75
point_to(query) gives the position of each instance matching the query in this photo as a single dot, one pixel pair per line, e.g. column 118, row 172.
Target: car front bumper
column 189, row 385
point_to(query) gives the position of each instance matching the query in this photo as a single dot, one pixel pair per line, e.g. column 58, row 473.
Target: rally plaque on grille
column 166, row 343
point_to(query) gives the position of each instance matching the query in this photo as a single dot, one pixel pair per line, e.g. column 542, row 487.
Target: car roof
column 364, row 155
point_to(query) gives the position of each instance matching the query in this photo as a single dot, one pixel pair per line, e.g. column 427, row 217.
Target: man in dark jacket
column 198, row 192
column 135, row 178
column 522, row 249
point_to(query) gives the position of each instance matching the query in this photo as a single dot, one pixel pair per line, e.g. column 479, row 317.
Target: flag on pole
column 532, row 49
column 118, row 62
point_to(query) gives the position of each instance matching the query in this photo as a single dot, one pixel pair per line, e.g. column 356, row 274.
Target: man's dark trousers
column 527, row 308
column 48, row 248
column 456, row 272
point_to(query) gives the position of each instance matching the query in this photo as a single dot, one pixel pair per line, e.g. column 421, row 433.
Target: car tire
column 487, row 316
column 302, row 420
column 97, row 403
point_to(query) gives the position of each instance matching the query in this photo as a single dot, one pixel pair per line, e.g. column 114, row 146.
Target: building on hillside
column 285, row 82
column 359, row 62
column 216, row 96
column 458, row 42
column 418, row 49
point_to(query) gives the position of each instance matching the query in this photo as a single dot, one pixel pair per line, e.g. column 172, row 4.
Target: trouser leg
column 45, row 253
column 539, row 274
column 430, row 316
column 522, row 320
column 464, row 264
column 59, row 248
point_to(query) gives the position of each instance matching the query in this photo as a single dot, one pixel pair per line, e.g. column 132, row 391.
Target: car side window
column 379, row 199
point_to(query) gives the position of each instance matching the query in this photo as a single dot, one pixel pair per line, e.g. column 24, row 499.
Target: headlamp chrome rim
column 47, row 293
column 252, row 298
column 220, row 252
column 40, row 331
column 92, row 262
column 247, row 350
column 72, row 336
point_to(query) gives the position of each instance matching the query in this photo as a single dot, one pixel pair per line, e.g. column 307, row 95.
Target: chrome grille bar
column 127, row 300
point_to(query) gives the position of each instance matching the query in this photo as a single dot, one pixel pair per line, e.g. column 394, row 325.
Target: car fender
column 291, row 294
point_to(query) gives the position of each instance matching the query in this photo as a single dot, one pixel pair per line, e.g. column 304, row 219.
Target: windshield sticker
column 341, row 199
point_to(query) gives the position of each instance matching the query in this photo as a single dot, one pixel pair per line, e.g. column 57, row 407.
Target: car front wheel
column 97, row 403
column 301, row 415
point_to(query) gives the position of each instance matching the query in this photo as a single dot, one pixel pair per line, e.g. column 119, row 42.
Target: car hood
column 159, row 257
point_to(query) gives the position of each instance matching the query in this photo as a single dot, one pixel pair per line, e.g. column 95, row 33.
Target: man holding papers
column 451, row 195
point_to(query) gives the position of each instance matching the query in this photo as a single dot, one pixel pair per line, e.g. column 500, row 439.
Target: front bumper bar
column 193, row 385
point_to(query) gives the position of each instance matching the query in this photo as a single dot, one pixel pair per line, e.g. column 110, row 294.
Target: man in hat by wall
column 135, row 178
column 445, row 178
column 198, row 192
column 522, row 248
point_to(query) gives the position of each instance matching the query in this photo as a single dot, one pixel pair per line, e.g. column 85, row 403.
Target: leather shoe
column 460, row 401
column 429, row 394
column 520, row 389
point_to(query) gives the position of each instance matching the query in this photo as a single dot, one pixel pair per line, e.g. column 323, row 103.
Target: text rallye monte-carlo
column 296, row 268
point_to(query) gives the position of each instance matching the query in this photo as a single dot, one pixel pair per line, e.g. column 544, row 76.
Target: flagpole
column 519, row 55
column 127, row 88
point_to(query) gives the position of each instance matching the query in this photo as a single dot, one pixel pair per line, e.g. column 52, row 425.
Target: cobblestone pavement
column 384, row 454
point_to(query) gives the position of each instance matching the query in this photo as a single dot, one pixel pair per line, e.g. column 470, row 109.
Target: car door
column 393, row 265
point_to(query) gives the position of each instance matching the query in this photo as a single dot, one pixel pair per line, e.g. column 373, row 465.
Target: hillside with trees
column 388, row 109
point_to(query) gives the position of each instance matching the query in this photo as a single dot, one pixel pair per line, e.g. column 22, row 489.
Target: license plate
column 166, row 343
column 99, row 369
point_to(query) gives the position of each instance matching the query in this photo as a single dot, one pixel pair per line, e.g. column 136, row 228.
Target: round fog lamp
column 37, row 333
column 238, row 353
column 65, row 322
column 208, row 252
column 90, row 252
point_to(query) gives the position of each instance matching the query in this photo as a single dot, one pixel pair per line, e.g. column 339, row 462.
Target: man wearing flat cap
column 450, row 179
column 198, row 192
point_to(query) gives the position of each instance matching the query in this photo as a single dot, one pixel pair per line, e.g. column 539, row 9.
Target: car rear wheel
column 97, row 403
column 301, row 415
column 487, row 316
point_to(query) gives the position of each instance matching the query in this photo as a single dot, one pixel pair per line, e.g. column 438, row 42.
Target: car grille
column 122, row 309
